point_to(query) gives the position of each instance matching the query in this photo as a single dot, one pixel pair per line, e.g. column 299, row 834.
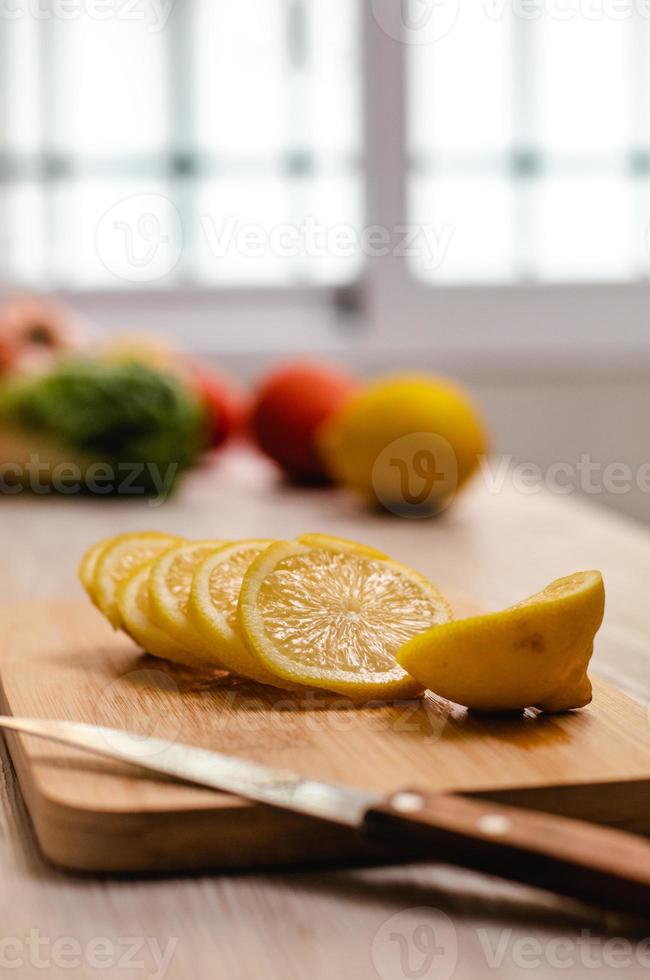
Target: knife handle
column 570, row 857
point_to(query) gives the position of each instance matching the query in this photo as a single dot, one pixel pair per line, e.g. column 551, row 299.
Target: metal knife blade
column 231, row 774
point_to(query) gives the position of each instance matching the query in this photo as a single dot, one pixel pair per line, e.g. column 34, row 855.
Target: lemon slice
column 119, row 557
column 170, row 582
column 88, row 563
column 135, row 613
column 330, row 614
column 534, row 654
column 212, row 608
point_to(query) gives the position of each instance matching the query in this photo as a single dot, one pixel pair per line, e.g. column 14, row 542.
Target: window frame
column 388, row 309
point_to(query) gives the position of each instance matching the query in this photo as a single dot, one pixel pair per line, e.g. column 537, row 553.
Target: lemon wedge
column 332, row 614
column 212, row 608
column 534, row 654
column 170, row 582
column 134, row 609
column 119, row 557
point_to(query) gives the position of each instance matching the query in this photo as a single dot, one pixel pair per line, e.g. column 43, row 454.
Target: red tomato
column 290, row 405
column 226, row 405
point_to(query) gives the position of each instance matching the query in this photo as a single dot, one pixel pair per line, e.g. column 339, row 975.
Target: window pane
column 278, row 230
column 115, row 233
column 584, row 87
column 584, row 228
column 554, row 97
column 270, row 78
column 20, row 120
column 462, row 86
column 465, row 229
column 332, row 220
column 332, row 77
column 241, row 68
column 21, row 232
column 236, row 218
column 109, row 94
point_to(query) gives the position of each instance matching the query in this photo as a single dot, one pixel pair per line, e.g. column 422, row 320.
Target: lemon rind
column 164, row 610
column 229, row 646
column 105, row 599
column 145, row 632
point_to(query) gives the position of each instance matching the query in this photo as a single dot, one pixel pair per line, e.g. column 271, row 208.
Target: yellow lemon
column 534, row 654
column 119, row 557
column 212, row 608
column 407, row 442
column 170, row 583
column 134, row 608
column 332, row 614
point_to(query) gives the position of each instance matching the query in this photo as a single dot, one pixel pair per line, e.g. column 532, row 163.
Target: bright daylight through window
column 226, row 146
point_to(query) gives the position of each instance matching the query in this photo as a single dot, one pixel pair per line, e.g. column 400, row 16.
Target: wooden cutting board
column 62, row 661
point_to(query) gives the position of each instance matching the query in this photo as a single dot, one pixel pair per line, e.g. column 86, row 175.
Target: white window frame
column 590, row 324
column 389, row 312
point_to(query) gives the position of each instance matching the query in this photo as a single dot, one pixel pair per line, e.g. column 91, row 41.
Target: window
column 152, row 146
column 179, row 143
column 528, row 139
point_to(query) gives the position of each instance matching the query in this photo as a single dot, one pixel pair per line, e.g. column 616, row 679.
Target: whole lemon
column 407, row 442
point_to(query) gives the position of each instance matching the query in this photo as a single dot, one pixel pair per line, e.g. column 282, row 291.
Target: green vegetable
column 119, row 415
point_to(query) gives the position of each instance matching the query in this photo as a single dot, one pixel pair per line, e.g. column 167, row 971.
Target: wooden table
column 393, row 923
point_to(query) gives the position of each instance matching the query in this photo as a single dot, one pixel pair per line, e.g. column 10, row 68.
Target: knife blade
column 242, row 777
column 585, row 861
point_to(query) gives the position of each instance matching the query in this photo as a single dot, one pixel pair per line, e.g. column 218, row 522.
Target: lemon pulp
column 349, row 612
column 335, row 617
column 120, row 557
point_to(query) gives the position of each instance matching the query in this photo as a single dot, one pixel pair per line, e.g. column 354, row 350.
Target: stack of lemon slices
column 321, row 612
column 315, row 612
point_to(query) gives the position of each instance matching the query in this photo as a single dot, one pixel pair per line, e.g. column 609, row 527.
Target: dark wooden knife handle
column 570, row 857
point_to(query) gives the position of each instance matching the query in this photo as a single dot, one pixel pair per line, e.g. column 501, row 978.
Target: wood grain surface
column 352, row 924
column 63, row 660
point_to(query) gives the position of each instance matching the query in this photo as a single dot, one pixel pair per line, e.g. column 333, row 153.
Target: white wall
column 559, row 420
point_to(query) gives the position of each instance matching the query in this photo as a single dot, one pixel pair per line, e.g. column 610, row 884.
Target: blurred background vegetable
column 90, row 413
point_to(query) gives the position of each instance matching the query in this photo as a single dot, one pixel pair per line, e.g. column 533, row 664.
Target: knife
column 593, row 863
